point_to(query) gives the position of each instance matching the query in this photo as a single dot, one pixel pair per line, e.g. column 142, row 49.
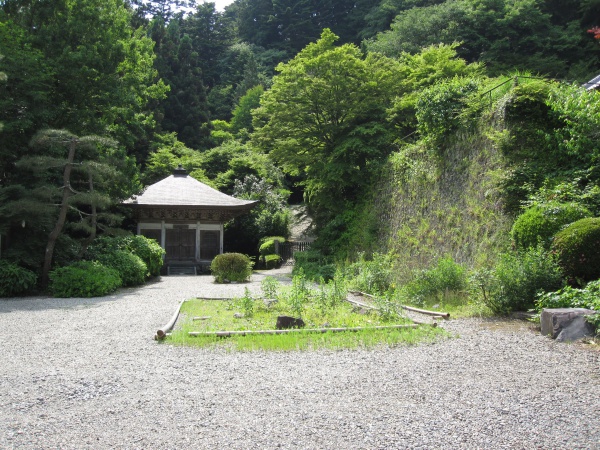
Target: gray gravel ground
column 86, row 373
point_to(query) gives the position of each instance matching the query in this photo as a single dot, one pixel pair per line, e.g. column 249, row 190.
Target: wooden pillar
column 198, row 241
column 163, row 235
column 221, row 237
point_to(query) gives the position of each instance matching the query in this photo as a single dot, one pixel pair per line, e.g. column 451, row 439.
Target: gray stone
column 577, row 328
column 554, row 320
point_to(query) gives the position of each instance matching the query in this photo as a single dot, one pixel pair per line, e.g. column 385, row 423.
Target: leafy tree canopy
column 322, row 119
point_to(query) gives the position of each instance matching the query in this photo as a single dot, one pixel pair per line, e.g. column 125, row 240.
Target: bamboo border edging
column 301, row 330
column 162, row 332
column 435, row 314
column 429, row 313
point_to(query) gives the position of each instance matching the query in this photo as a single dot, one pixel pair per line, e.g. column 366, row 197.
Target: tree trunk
column 93, row 220
column 62, row 214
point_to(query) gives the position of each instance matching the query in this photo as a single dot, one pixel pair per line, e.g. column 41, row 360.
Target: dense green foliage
column 519, row 277
column 130, row 267
column 539, row 223
column 150, row 252
column 134, row 257
column 15, row 280
column 401, row 123
column 84, row 279
column 570, row 297
column 437, row 284
column 578, row 249
column 231, row 267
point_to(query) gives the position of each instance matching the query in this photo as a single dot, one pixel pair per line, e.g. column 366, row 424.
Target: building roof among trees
column 594, row 83
column 180, row 189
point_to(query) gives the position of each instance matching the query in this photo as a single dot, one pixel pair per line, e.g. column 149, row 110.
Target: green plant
column 578, row 249
column 272, row 261
column 131, row 268
column 84, row 279
column 231, row 267
column 314, row 264
column 298, row 294
column 436, row 283
column 518, row 278
column 372, row 275
column 269, row 287
column 539, row 223
column 149, row 250
column 246, row 303
column 267, row 245
column 15, row 280
column 570, row 297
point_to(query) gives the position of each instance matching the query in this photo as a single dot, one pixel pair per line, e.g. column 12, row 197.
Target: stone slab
column 554, row 320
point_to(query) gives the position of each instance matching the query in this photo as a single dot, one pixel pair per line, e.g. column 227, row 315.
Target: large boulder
column 566, row 324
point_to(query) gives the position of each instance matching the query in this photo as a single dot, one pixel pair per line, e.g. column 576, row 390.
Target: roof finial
column 180, row 171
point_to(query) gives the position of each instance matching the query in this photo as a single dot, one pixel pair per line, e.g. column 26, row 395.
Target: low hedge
column 15, row 280
column 267, row 244
column 231, row 267
column 84, row 279
column 272, row 261
column 578, row 249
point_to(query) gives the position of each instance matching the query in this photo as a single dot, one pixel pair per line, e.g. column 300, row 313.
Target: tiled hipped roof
column 182, row 190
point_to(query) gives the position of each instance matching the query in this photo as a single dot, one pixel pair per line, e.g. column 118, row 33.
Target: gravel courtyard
column 86, row 373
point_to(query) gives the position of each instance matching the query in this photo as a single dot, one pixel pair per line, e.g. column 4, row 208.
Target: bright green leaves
column 323, row 119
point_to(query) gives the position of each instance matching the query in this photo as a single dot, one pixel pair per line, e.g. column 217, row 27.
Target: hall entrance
column 180, row 243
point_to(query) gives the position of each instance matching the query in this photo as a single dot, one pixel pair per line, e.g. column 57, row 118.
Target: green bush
column 231, row 267
column 519, row 277
column 84, row 279
column 372, row 275
column 15, row 280
column 149, row 250
column 540, row 223
column 267, row 245
column 272, row 261
column 437, row 283
column 132, row 269
column 569, row 297
column 314, row 265
column 578, row 249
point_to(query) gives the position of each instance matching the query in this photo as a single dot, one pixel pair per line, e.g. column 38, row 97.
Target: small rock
column 238, row 316
column 286, row 322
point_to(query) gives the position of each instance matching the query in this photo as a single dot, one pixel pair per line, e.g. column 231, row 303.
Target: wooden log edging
column 162, row 332
column 429, row 313
column 301, row 330
column 435, row 314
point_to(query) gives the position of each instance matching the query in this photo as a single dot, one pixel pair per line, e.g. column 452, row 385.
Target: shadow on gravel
column 42, row 303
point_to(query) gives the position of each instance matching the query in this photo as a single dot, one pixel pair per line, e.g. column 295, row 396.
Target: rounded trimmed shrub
column 267, row 245
column 15, row 280
column 84, row 279
column 231, row 267
column 272, row 261
column 578, row 249
column 540, row 223
column 132, row 269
